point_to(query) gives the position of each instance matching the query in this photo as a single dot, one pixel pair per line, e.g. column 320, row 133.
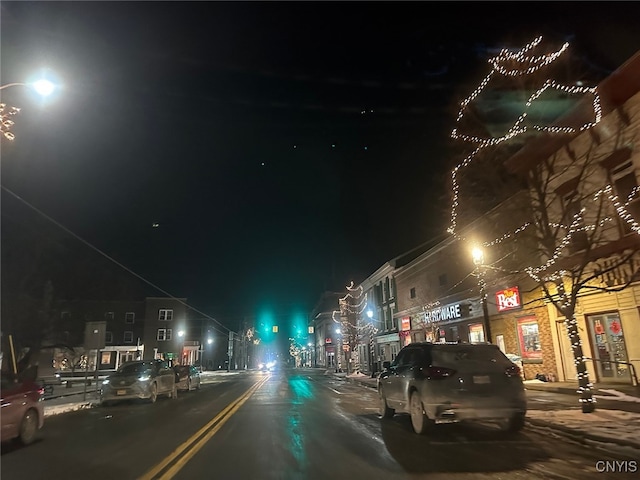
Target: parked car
column 448, row 383
column 142, row 379
column 187, row 377
column 22, row 414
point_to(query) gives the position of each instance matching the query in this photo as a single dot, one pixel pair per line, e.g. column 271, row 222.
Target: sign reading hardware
column 446, row 312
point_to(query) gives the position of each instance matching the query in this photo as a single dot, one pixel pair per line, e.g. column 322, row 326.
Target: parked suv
column 453, row 382
column 144, row 379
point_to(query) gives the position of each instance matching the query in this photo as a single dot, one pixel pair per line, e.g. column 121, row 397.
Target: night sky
column 283, row 149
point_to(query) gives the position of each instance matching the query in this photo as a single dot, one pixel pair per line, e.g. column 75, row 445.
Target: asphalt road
column 293, row 424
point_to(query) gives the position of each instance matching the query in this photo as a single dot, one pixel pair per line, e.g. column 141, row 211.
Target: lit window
column 529, row 338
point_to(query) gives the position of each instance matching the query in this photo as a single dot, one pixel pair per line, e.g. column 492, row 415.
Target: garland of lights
column 529, row 64
column 6, row 122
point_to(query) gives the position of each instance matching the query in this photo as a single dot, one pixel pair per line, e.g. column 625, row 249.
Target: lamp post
column 42, row 87
column 372, row 344
column 181, row 335
column 478, row 260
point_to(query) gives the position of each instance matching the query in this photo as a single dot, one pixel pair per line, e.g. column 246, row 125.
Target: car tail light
column 438, row 373
column 512, row 371
column 41, row 391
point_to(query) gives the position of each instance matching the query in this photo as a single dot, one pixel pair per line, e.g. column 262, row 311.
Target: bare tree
column 573, row 229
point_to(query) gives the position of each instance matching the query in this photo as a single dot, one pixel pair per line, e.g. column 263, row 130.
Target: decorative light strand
column 6, row 122
column 530, row 64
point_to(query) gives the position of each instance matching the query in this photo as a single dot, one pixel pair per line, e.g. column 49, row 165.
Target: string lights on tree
column 558, row 236
column 513, row 64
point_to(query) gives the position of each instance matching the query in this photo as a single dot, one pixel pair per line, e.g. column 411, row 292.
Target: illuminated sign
column 447, row 312
column 406, row 323
column 508, row 299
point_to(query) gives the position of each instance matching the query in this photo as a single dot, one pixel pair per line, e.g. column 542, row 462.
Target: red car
column 22, row 414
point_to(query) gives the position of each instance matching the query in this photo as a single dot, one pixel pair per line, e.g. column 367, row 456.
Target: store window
column 610, row 352
column 476, row 333
column 529, row 338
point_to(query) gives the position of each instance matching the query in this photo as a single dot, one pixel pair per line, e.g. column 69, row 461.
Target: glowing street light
column 42, row 87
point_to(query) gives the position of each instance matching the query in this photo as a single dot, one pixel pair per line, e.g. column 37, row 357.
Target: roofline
column 614, row 91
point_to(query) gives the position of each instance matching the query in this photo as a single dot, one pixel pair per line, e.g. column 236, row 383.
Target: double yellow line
column 173, row 463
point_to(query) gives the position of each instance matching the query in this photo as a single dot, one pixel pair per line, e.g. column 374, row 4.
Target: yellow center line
column 189, row 448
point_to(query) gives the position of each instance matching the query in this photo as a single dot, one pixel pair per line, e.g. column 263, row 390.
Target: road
column 292, row 424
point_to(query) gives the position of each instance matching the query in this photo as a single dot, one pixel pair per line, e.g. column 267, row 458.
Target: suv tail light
column 437, row 373
column 512, row 371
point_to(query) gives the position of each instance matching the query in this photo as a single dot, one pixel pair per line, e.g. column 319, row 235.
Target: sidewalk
column 607, row 426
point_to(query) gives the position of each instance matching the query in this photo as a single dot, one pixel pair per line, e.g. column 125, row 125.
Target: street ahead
column 291, row 424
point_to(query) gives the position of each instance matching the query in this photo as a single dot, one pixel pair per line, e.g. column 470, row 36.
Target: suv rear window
column 449, row 354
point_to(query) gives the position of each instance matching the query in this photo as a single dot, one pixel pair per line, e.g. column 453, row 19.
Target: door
column 566, row 352
column 609, row 349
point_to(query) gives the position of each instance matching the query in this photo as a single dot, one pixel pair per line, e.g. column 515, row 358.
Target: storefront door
column 607, row 341
column 566, row 352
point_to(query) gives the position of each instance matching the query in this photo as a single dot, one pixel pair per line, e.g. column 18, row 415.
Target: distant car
column 143, row 379
column 267, row 367
column 449, row 383
column 22, row 413
column 187, row 377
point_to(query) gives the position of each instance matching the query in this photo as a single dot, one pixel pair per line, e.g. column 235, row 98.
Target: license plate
column 121, row 392
column 481, row 379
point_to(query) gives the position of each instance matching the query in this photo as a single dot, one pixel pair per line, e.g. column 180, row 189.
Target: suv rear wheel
column 385, row 411
column 419, row 421
column 513, row 424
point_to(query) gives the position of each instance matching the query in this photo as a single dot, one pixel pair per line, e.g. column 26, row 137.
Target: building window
column 129, row 317
column 108, row 337
column 624, row 179
column 476, row 333
column 165, row 315
column 572, row 207
column 412, row 292
column 128, row 337
column 164, row 334
column 529, row 338
column 108, row 316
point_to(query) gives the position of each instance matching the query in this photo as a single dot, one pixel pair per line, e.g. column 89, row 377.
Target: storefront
column 387, row 347
column 609, row 326
column 524, row 333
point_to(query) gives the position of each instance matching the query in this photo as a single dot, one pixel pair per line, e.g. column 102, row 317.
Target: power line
column 127, row 269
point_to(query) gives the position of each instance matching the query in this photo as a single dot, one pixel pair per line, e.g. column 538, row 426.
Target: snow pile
column 66, row 407
column 616, row 395
column 613, row 424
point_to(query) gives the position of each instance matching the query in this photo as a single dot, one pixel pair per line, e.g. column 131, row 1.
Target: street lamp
column 478, row 260
column 42, row 87
column 181, row 335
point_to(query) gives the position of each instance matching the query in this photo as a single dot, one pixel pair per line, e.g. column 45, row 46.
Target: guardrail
column 632, row 368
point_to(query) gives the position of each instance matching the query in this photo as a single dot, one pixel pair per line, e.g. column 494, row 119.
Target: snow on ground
column 66, row 407
column 616, row 395
column 614, row 424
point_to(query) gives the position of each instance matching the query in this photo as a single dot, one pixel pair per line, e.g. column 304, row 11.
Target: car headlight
column 105, row 381
column 144, row 378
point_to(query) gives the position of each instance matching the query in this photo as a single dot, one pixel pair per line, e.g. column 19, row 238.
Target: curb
column 580, row 435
